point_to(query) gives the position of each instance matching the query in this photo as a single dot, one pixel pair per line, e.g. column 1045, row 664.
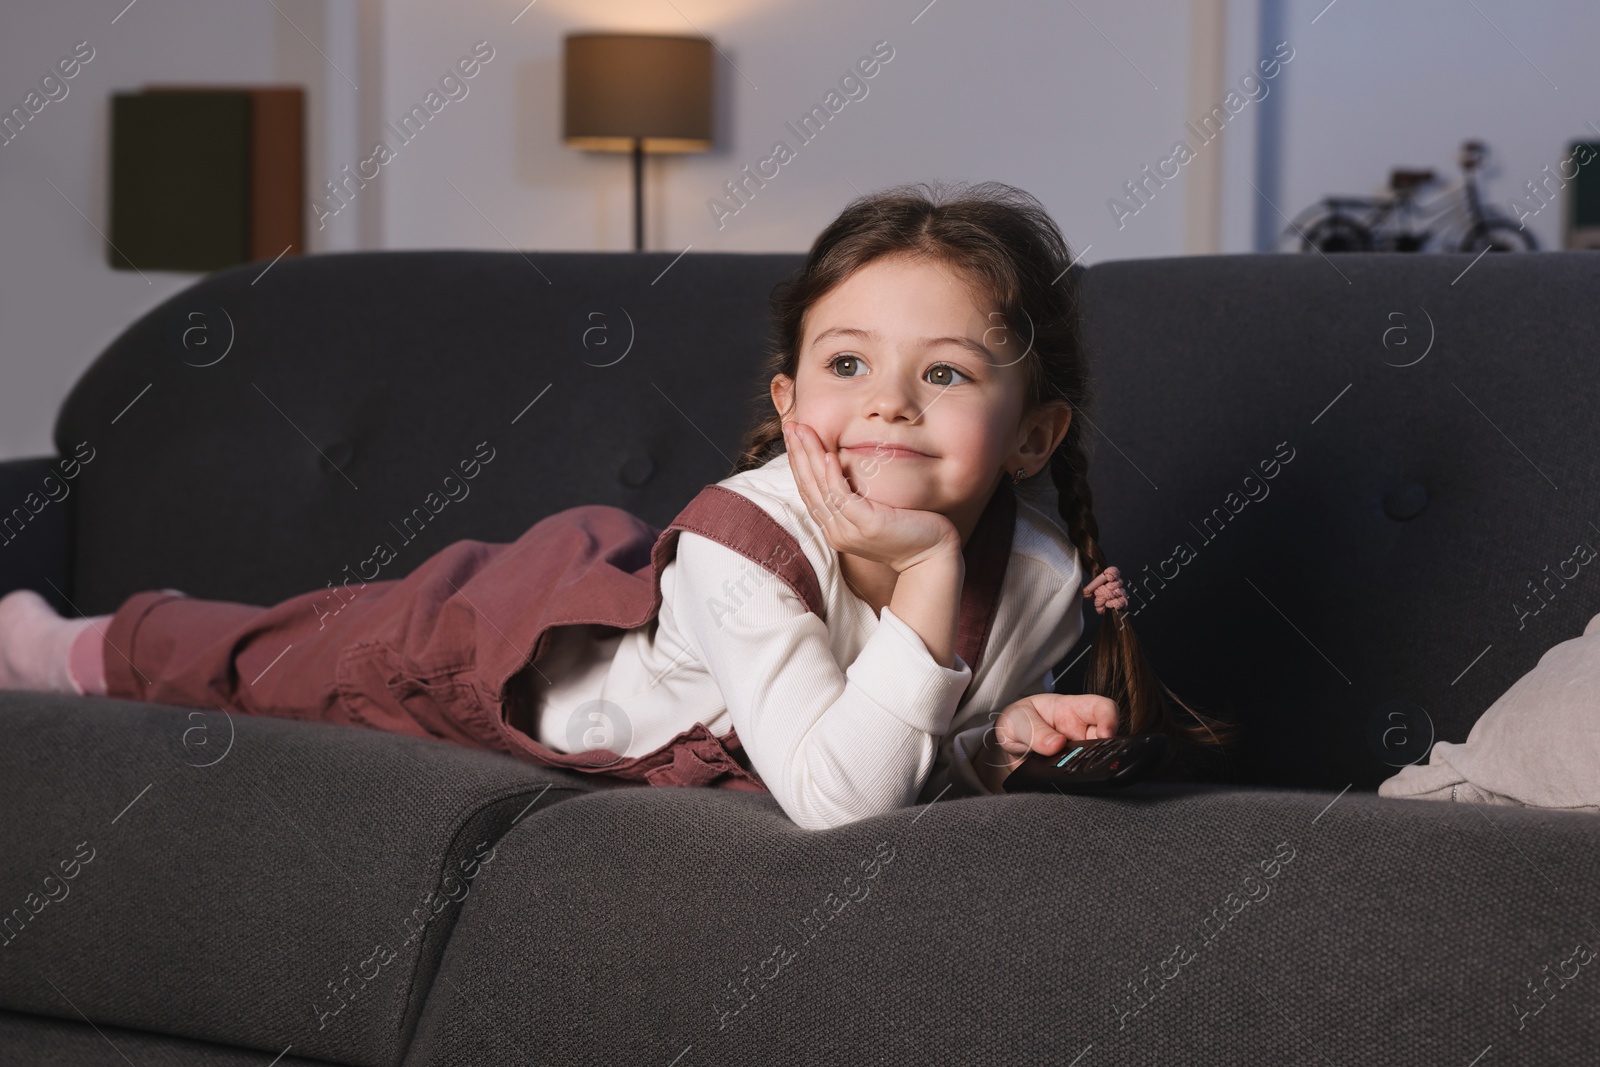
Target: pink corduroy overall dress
column 451, row 650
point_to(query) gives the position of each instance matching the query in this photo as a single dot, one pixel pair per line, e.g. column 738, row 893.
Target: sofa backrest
column 1389, row 581
column 283, row 426
column 1343, row 490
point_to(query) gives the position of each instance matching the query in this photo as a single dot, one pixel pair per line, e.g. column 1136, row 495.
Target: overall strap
column 734, row 521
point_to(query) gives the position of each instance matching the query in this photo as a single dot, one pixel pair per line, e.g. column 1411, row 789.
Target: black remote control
column 1087, row 766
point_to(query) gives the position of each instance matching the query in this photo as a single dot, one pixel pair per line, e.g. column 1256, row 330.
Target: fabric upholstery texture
column 44, row 1042
column 1373, row 595
column 223, row 877
column 396, row 366
column 1177, row 924
column 1368, row 521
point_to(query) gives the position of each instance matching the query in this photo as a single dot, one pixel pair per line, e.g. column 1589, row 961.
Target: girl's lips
column 886, row 451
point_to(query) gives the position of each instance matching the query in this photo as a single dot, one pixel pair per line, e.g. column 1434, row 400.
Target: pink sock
column 36, row 646
column 86, row 661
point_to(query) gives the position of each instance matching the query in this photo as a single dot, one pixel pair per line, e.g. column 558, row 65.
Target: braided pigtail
column 1117, row 665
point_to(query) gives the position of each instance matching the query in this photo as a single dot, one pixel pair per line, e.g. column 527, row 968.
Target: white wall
column 60, row 302
column 1027, row 93
column 1069, row 101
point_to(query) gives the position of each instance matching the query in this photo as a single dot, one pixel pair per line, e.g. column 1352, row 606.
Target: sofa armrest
column 36, row 505
column 256, row 882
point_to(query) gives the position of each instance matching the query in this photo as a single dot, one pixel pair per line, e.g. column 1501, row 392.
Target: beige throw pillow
column 1538, row 745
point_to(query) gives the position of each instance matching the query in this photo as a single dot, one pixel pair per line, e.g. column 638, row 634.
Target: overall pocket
column 378, row 689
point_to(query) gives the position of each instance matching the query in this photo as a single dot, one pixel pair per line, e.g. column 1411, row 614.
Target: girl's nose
column 893, row 400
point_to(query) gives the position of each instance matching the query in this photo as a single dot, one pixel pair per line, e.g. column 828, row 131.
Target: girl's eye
column 941, row 374
column 854, row 362
column 938, row 368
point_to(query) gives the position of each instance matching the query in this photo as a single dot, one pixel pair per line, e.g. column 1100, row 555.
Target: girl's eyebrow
column 843, row 331
column 968, row 343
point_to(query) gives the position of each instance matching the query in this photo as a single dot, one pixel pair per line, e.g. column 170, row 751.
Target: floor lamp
column 638, row 93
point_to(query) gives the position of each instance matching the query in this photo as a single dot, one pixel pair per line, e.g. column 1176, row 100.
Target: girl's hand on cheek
column 856, row 524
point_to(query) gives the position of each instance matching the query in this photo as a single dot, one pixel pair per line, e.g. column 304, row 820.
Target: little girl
column 865, row 607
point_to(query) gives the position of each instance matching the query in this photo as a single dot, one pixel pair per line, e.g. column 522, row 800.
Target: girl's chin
column 897, row 490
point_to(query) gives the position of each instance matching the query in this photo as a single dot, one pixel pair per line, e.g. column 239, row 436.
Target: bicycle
column 1385, row 224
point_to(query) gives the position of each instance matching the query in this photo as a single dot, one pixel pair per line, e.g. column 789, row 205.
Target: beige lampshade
column 620, row 86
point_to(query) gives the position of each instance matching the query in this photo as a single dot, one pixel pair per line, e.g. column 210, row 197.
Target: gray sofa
column 184, row 886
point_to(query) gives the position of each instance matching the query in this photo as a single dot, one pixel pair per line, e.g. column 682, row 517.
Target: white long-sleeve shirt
column 842, row 719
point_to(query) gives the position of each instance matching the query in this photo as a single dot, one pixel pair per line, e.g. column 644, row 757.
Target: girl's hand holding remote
column 1043, row 723
column 859, row 525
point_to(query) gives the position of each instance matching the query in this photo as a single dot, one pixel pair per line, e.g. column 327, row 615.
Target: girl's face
column 919, row 388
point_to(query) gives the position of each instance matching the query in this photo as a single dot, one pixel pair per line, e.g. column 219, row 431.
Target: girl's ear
column 782, row 393
column 1045, row 428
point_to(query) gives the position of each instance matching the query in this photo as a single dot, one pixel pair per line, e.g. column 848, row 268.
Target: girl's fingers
column 1080, row 716
column 1100, row 713
column 808, row 450
column 1011, row 735
column 838, row 487
column 1106, row 590
column 1084, row 716
column 816, row 470
column 800, row 464
column 1024, row 730
column 1047, row 723
column 833, row 473
column 1110, row 576
column 828, row 488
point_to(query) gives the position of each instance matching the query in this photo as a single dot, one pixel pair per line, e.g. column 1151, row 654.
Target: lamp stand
column 638, row 194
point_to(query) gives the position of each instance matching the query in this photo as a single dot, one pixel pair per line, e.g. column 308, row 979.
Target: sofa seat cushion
column 1172, row 924
column 43, row 1042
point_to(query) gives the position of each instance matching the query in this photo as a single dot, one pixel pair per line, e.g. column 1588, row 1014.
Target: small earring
column 1017, row 477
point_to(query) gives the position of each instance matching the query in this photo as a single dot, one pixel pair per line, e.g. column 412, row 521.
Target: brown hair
column 1004, row 240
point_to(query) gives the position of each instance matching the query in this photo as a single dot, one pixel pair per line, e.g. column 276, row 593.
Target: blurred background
column 1279, row 104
